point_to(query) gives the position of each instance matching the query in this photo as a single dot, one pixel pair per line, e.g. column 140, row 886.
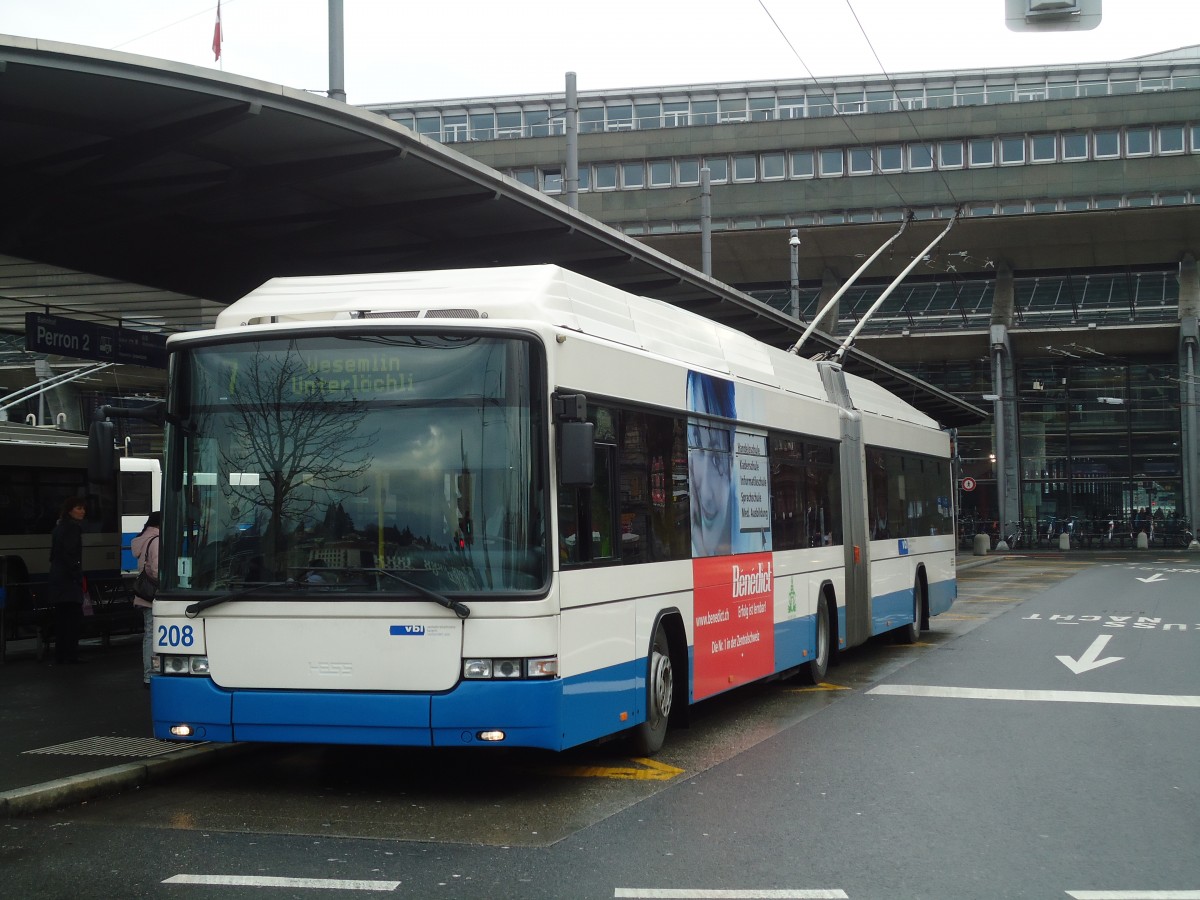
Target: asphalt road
column 1041, row 740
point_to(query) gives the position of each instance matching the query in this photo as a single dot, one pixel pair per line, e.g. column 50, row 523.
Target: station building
column 1064, row 294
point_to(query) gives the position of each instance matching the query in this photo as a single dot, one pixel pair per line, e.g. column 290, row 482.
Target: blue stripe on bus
column 129, row 562
column 942, row 595
column 793, row 639
column 898, row 605
column 531, row 713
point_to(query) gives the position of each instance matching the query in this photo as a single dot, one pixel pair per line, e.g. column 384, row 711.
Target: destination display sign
column 45, row 333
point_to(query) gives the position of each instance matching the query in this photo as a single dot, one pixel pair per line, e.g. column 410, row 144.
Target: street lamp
column 794, row 251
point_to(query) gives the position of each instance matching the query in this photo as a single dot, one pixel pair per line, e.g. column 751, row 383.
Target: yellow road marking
column 652, row 771
column 823, row 686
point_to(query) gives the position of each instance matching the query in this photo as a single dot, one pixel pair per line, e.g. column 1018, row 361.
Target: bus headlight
column 510, row 668
column 477, row 668
column 184, row 665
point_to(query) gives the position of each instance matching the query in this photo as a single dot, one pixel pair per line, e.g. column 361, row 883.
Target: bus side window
column 603, row 521
column 568, row 525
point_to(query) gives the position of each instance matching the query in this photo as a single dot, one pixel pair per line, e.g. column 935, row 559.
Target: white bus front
column 354, row 541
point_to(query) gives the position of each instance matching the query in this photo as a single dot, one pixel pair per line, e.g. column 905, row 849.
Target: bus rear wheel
column 813, row 671
column 648, row 737
column 911, row 633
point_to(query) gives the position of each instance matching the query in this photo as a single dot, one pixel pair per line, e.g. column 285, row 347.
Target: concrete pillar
column 1004, row 296
column 1189, row 390
column 829, row 286
column 1004, row 387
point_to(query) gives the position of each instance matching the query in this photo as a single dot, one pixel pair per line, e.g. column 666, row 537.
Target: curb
column 113, row 780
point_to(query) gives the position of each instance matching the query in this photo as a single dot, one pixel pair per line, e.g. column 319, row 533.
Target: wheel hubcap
column 663, row 681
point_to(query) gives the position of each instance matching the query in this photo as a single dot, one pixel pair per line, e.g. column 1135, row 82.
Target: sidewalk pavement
column 71, row 733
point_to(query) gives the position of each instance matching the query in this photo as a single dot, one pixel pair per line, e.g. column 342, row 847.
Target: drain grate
column 112, row 746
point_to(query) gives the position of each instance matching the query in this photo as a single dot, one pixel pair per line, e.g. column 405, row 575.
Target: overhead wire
column 840, row 115
column 904, row 109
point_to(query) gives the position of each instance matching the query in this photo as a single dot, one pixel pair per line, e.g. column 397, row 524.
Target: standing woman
column 66, row 579
column 145, row 548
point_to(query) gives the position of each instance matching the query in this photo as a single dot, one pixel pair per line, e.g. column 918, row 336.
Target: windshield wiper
column 460, row 609
column 199, row 606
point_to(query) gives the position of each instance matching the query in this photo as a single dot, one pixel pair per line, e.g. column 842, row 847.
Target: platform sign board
column 45, row 333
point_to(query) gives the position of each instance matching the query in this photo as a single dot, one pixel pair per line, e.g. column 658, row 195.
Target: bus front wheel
column 660, row 692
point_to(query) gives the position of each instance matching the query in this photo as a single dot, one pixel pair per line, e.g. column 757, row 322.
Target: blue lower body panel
column 942, row 595
column 889, row 611
column 795, row 642
column 896, row 609
column 551, row 714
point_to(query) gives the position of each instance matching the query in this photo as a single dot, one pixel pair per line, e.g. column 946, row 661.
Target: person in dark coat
column 66, row 579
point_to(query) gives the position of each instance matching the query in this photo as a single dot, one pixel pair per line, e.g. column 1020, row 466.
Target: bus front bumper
column 525, row 713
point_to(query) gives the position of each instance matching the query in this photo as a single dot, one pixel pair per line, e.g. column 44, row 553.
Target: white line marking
column 703, row 894
column 334, row 884
column 1134, row 895
column 963, row 693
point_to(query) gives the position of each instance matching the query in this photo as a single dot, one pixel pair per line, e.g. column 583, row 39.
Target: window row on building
column 950, row 302
column 893, row 158
column 495, row 119
column 867, row 216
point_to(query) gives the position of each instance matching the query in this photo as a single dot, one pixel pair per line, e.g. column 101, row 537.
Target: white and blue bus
column 140, row 489
column 518, row 507
column 40, row 467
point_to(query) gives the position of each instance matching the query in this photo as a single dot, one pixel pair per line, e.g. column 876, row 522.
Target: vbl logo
column 408, row 630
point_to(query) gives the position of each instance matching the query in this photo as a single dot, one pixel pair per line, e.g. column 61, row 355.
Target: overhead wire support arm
column 846, row 344
column 812, row 325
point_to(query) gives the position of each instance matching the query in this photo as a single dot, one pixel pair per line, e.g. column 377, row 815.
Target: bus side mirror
column 101, row 456
column 578, row 468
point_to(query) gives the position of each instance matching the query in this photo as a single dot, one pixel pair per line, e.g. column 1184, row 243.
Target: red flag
column 217, row 34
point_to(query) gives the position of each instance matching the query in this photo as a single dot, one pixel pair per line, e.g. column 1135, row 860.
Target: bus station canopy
column 158, row 193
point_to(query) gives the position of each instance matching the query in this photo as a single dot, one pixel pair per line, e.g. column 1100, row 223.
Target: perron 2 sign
column 45, row 333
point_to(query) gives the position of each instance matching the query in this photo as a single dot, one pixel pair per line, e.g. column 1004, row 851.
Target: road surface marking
column 652, row 770
column 1090, row 658
column 823, row 686
column 1134, row 895
column 335, row 884
column 963, row 693
column 703, row 894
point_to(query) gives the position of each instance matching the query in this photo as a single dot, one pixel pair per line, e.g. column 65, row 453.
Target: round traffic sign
column 968, row 483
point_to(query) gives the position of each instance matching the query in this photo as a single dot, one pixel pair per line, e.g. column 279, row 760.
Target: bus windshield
column 355, row 463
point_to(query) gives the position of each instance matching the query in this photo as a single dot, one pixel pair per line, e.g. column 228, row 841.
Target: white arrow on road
column 1088, row 660
column 1157, row 576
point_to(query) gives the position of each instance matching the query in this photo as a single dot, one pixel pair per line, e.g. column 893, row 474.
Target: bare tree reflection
column 291, row 459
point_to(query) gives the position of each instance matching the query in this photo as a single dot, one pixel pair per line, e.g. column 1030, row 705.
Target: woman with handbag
column 145, row 548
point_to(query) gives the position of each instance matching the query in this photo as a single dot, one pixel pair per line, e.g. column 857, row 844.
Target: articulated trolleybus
column 517, row 507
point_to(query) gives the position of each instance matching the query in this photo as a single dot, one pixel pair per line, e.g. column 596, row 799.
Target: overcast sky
column 399, row 50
